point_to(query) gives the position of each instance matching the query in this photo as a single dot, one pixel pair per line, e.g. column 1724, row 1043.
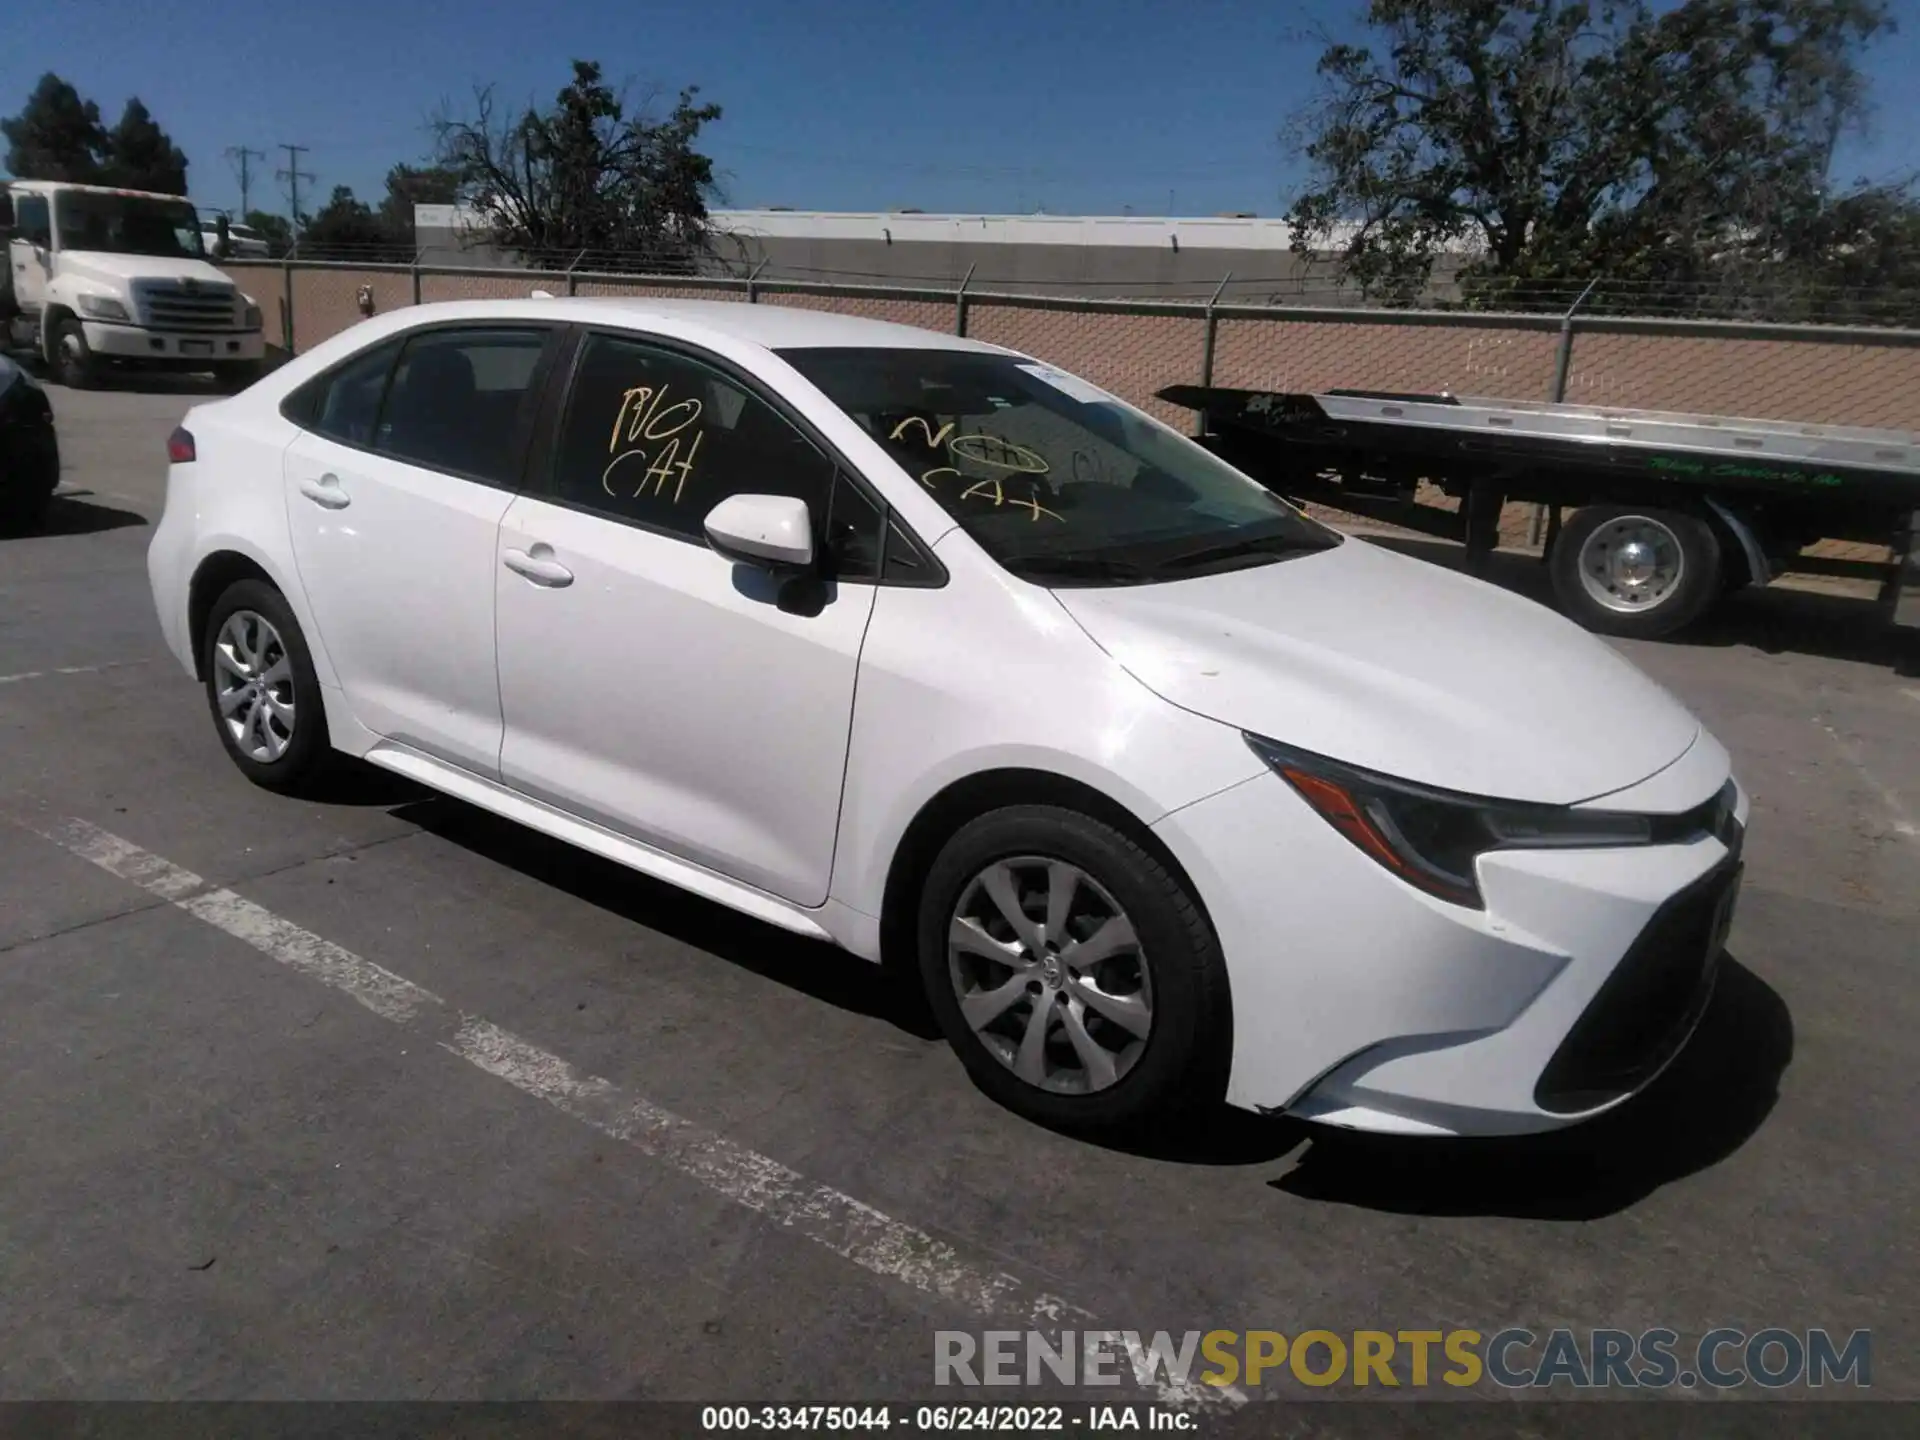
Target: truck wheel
column 1622, row 570
column 73, row 363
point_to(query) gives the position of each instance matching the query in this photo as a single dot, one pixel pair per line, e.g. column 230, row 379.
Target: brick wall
column 1134, row 355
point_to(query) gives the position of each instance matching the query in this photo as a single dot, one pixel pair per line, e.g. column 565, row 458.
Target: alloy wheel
column 253, row 683
column 1050, row 974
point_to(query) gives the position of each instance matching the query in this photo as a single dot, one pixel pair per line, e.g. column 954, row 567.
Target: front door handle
column 326, row 492
column 539, row 566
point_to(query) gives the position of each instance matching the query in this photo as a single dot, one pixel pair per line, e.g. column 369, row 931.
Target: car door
column 646, row 683
column 394, row 494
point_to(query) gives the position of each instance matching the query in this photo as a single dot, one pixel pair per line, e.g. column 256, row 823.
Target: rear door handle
column 539, row 566
column 326, row 492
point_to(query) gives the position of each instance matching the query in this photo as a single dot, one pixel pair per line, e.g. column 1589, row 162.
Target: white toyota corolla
column 921, row 646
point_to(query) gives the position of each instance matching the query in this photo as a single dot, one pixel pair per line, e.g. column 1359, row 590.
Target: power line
column 293, row 175
column 239, row 156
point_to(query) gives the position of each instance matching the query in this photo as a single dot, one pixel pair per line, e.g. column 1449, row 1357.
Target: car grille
column 1649, row 1005
column 171, row 305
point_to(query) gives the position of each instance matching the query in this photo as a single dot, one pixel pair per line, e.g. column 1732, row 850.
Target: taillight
column 180, row 446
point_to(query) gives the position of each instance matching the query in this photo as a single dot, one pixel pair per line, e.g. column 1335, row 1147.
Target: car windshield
column 128, row 225
column 1060, row 482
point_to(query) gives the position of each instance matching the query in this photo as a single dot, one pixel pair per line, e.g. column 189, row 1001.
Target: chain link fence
column 1755, row 295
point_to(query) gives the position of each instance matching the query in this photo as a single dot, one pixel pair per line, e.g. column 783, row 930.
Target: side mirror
column 773, row 532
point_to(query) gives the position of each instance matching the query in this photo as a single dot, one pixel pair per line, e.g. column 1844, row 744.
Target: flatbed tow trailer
column 1668, row 510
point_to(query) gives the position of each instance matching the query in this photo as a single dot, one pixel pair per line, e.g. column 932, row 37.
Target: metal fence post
column 416, row 275
column 1207, row 346
column 960, row 303
column 573, row 282
column 753, row 291
column 286, row 300
column 1562, row 363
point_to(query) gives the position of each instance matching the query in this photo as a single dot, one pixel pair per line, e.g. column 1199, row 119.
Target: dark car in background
column 29, row 452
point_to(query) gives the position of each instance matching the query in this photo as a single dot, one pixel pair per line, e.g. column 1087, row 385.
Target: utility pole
column 293, row 175
column 239, row 156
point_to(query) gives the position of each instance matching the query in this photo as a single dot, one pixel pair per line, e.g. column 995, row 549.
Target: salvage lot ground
column 224, row 1179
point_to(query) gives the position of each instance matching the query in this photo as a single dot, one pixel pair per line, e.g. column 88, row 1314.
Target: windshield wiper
column 1076, row 567
column 1244, row 545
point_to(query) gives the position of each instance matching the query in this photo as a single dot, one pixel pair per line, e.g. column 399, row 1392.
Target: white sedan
column 1163, row 791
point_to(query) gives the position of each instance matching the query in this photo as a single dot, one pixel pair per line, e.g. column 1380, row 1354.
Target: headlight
column 1431, row 838
column 252, row 321
column 103, row 307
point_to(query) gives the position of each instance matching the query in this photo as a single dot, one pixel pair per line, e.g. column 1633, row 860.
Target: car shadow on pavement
column 1710, row 1101
column 812, row 967
column 1773, row 620
column 80, row 514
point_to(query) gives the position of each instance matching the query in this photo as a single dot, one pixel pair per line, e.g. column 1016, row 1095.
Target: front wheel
column 1635, row 572
column 1073, row 972
column 262, row 689
column 73, row 362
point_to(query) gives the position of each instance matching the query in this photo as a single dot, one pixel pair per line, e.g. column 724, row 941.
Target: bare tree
column 585, row 175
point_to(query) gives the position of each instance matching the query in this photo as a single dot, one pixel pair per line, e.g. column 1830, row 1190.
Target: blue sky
column 1074, row 106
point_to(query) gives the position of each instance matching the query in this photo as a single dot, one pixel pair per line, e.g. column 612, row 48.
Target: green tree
column 585, row 175
column 56, row 136
column 346, row 228
column 1679, row 148
column 274, row 229
column 411, row 185
column 139, row 155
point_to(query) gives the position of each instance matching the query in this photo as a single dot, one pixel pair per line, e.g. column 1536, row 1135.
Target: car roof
column 769, row 324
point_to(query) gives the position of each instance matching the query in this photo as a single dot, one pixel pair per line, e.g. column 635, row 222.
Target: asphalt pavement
column 383, row 1098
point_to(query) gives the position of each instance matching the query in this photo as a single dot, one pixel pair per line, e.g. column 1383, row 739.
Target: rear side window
column 461, row 400
column 347, row 405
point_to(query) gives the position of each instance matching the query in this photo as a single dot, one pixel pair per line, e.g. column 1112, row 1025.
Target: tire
column 73, row 364
column 289, row 759
column 1601, row 586
column 1179, row 1066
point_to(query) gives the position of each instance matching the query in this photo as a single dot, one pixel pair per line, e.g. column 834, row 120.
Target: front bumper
column 1363, row 1003
column 180, row 348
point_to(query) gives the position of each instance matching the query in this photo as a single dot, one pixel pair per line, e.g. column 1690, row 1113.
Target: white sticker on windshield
column 1072, row 386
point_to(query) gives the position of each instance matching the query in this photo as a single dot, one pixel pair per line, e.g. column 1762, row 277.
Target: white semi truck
column 99, row 277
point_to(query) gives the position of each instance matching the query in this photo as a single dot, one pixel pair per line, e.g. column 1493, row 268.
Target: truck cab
column 99, row 277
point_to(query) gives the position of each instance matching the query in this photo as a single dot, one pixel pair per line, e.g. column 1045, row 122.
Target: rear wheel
column 1635, row 572
column 73, row 362
column 262, row 690
column 1072, row 972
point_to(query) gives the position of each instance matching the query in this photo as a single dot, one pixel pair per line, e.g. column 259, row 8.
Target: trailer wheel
column 1627, row 571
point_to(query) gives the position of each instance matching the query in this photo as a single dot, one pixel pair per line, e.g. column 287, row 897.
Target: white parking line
column 848, row 1227
column 69, row 670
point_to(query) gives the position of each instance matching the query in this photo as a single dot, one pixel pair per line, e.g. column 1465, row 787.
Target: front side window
column 30, row 221
column 460, row 401
column 657, row 438
column 1058, row 481
column 128, row 225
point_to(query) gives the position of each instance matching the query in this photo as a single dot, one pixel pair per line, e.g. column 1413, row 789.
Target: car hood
column 1397, row 666
column 122, row 269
